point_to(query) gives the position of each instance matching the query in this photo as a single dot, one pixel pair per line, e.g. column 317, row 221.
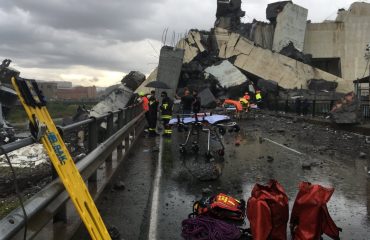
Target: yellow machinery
column 44, row 129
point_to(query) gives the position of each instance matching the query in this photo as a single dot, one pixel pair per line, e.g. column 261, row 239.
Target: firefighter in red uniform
column 166, row 113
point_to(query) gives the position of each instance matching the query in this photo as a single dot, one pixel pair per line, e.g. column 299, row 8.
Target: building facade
column 339, row 46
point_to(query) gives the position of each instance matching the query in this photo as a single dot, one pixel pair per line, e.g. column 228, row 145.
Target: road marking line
column 283, row 146
column 155, row 198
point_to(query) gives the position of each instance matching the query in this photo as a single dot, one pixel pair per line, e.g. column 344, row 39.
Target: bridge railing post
column 109, row 132
column 313, row 108
column 120, row 124
column 93, row 143
column 61, row 215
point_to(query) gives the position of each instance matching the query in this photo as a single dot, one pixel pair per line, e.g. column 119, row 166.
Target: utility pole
column 367, row 58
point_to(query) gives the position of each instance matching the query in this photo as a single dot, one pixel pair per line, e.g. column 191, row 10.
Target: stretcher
column 213, row 125
column 43, row 129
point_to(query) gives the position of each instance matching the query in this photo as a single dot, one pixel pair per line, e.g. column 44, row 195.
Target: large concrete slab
column 114, row 101
column 227, row 74
column 266, row 64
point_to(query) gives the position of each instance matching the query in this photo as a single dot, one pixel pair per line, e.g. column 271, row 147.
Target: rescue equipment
column 268, row 211
column 221, row 206
column 234, row 103
column 310, row 218
column 44, row 128
column 205, row 227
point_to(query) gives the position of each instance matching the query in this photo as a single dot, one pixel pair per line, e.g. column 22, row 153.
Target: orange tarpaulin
column 237, row 104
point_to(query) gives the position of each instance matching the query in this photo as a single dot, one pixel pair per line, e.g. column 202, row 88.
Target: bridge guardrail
column 49, row 210
column 313, row 108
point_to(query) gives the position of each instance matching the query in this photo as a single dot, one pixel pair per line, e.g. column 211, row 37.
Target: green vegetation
column 56, row 109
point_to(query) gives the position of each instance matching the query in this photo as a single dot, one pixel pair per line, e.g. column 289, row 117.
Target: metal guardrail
column 312, row 107
column 49, row 210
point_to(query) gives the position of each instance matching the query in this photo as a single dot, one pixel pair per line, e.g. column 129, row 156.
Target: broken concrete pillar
column 228, row 14
column 290, row 26
column 169, row 68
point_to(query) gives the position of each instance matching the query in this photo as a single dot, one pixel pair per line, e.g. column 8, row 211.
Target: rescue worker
column 245, row 101
column 145, row 103
column 152, row 115
column 166, row 113
column 246, row 96
column 197, row 102
column 259, row 98
column 187, row 102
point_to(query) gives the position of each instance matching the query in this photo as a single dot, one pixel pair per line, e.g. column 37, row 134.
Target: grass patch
column 7, row 205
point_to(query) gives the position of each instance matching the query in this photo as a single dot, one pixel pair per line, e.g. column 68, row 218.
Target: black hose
column 15, row 183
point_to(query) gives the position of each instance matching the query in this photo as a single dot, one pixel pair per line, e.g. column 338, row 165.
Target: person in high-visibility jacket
column 259, row 98
column 145, row 104
column 166, row 113
column 245, row 101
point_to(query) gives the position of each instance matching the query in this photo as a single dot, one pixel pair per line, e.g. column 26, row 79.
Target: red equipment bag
column 310, row 216
column 268, row 212
column 221, row 206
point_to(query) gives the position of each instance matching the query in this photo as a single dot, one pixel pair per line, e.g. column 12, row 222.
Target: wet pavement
column 156, row 200
column 258, row 160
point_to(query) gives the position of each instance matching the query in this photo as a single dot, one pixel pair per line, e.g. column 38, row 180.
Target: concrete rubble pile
column 232, row 55
column 346, row 110
column 120, row 96
column 133, row 80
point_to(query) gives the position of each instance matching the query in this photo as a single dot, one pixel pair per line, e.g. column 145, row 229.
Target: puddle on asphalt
column 250, row 162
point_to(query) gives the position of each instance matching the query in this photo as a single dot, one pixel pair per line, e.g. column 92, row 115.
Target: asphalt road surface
column 161, row 184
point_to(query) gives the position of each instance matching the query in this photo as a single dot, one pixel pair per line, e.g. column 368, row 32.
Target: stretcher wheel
column 222, row 130
column 221, row 152
column 195, row 148
column 209, row 155
column 182, row 150
column 180, row 128
column 236, row 128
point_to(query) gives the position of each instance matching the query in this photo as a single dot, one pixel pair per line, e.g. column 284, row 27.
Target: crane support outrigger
column 44, row 130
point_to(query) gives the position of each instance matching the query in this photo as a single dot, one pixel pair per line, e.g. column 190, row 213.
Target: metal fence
column 50, row 213
column 311, row 107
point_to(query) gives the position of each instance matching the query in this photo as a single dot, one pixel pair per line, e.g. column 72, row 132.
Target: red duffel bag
column 268, row 212
column 310, row 216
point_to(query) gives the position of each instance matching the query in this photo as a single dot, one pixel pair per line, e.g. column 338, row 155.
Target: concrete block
column 169, row 68
column 290, row 26
column 227, row 74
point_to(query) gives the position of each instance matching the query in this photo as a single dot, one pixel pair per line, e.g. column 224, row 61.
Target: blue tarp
column 210, row 119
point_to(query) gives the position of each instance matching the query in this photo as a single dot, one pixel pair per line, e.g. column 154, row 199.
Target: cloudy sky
column 95, row 42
